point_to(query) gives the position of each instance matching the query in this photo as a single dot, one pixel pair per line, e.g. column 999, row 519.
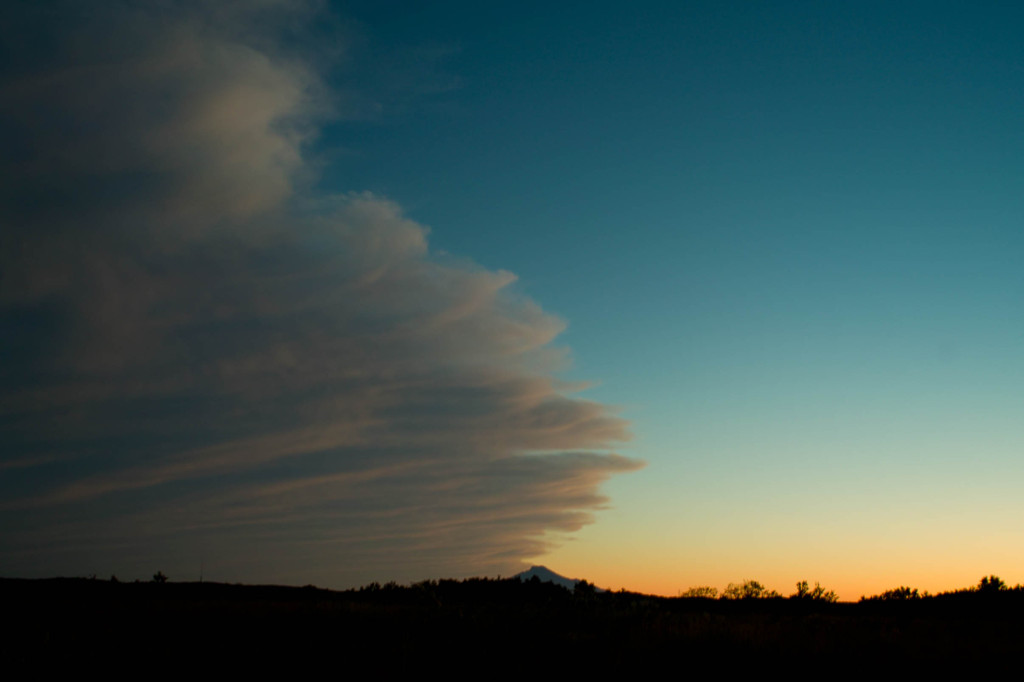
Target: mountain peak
column 546, row 575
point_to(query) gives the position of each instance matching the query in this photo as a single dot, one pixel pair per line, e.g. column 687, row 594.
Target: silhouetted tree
column 750, row 589
column 819, row 593
column 991, row 584
column 584, row 589
column 159, row 577
column 702, row 592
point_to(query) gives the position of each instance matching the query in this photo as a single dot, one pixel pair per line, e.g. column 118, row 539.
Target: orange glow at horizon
column 852, row 570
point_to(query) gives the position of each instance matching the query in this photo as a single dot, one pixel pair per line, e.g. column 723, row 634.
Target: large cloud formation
column 204, row 364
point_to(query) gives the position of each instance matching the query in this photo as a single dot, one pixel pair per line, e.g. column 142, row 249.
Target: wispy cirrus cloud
column 196, row 363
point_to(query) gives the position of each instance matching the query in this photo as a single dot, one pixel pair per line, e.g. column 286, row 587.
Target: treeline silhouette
column 485, row 625
column 751, row 589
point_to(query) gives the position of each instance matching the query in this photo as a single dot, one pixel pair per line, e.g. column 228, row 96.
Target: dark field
column 486, row 627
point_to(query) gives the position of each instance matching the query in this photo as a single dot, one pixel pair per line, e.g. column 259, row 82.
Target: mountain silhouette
column 546, row 575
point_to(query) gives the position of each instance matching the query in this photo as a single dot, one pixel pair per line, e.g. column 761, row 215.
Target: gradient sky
column 289, row 292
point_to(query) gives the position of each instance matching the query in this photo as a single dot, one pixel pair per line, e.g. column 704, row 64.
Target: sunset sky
column 656, row 294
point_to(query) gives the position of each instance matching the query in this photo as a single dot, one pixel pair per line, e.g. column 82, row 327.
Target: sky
column 658, row 295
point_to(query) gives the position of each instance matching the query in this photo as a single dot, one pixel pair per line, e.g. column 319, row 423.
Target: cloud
column 198, row 364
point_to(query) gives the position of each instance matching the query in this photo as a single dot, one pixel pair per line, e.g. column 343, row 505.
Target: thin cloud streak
column 201, row 364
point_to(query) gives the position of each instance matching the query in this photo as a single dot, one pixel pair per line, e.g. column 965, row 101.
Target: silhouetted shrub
column 701, row 592
column 901, row 593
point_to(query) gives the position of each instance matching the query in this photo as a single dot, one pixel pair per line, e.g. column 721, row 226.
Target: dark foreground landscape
column 487, row 626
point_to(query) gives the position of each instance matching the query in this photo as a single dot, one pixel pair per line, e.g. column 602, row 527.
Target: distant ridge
column 546, row 575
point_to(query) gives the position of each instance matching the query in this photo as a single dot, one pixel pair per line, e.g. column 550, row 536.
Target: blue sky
column 785, row 239
column 667, row 177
